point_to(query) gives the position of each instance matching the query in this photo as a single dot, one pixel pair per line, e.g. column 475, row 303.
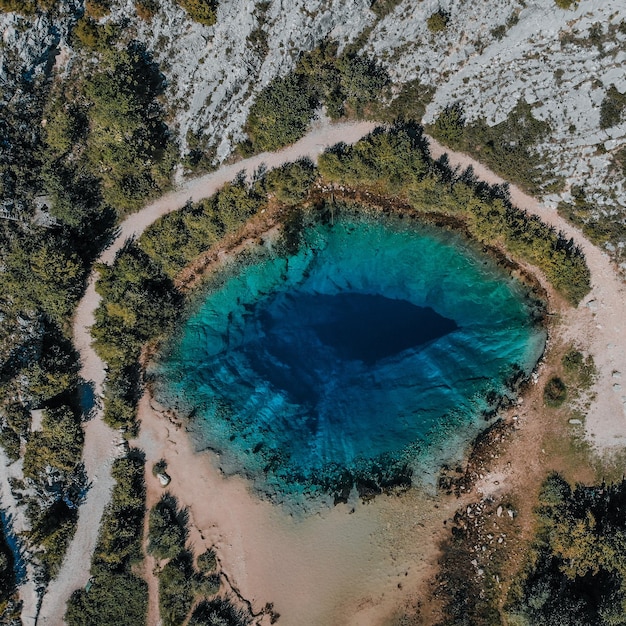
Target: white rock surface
column 545, row 55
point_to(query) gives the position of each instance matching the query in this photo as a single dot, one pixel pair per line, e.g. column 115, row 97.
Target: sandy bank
column 340, row 566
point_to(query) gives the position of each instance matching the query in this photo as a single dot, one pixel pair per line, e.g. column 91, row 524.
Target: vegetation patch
column 7, row 576
column 601, row 227
column 116, row 596
column 508, row 148
column 181, row 584
column 555, row 392
column 27, row 7
column 383, row 7
column 612, row 108
column 167, row 529
column 438, row 21
column 408, row 104
column 201, row 11
column 219, row 611
column 574, row 574
column 343, row 83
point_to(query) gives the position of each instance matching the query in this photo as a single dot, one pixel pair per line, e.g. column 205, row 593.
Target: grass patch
column 555, row 392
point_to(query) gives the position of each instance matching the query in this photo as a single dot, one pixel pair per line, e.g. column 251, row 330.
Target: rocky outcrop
column 489, row 57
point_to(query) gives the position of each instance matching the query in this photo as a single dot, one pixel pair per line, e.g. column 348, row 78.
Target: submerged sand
column 353, row 564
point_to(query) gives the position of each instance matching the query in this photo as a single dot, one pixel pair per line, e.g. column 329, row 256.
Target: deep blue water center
column 371, row 350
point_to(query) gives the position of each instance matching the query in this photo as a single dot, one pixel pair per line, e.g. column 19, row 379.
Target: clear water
column 353, row 359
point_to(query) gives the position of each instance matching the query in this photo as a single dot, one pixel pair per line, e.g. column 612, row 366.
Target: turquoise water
column 352, row 360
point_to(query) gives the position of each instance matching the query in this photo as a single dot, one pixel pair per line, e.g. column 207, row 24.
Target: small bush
column 281, row 113
column 207, row 562
column 146, row 9
column 201, row 11
column 620, row 161
column 166, row 535
column 438, row 21
column 219, row 612
column 612, row 108
column 7, row 573
column 555, row 392
column 580, row 370
column 564, row 4
column 176, row 590
column 449, row 125
column 159, row 467
column 24, row 7
column 97, row 8
column 119, row 599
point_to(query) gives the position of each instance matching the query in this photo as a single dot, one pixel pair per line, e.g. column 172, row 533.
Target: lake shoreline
column 245, row 518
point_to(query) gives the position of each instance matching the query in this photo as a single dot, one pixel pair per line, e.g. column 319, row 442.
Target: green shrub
column 159, row 467
column 27, row 7
column 121, row 529
column 176, row 589
column 7, row 573
column 291, row 182
column 54, row 536
column 579, row 369
column 57, row 446
column 438, row 21
column 449, row 125
column 43, row 272
column 97, row 8
column 346, row 82
column 555, row 392
column 575, row 571
column 564, row 4
column 10, row 442
column 146, row 9
column 178, row 238
column 219, row 612
column 383, row 7
column 89, row 34
column 620, row 161
column 612, row 108
column 166, row 535
column 201, row 11
column 207, row 562
column 281, row 113
column 389, row 161
column 138, row 303
column 119, row 599
column 409, row 104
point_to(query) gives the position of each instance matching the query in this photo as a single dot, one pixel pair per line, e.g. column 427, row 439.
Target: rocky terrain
column 488, row 57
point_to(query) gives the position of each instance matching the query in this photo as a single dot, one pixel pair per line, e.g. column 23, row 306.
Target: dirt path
column 100, row 441
column 597, row 326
